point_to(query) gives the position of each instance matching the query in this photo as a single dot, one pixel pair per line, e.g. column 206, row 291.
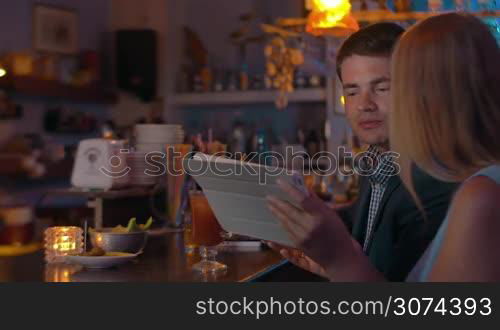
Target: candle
column 62, row 241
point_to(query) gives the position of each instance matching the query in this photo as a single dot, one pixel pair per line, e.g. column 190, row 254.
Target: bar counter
column 163, row 260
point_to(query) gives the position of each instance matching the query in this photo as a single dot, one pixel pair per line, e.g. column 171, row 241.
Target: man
column 386, row 222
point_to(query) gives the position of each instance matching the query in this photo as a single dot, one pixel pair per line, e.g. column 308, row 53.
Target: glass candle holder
column 62, row 241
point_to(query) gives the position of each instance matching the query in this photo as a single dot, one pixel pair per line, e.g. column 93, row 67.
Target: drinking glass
column 190, row 246
column 206, row 233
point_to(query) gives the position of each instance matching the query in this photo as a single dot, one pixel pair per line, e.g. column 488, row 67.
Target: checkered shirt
column 382, row 169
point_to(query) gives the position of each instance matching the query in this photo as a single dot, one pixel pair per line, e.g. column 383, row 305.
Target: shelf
column 384, row 15
column 109, row 194
column 45, row 88
column 248, row 97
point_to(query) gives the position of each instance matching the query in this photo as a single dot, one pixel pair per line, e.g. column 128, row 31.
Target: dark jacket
column 401, row 234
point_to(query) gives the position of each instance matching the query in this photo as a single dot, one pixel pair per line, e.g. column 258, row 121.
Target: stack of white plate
column 154, row 137
column 138, row 175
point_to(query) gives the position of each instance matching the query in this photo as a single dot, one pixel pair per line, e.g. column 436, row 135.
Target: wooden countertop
column 163, row 260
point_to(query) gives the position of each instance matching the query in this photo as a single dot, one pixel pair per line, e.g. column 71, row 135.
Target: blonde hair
column 446, row 98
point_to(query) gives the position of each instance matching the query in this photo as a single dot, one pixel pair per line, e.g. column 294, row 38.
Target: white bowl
column 157, row 126
column 158, row 133
column 156, row 147
column 160, row 140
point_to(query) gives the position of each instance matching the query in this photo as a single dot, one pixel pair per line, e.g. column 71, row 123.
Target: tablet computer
column 236, row 192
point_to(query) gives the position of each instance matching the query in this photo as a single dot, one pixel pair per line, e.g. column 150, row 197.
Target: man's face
column 366, row 84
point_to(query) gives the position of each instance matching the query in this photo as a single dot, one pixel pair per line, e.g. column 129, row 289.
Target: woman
column 445, row 119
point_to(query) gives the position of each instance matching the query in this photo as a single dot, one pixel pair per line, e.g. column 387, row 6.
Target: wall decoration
column 55, row 30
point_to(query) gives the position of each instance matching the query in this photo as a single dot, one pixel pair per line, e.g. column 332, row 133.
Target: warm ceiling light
column 331, row 17
column 327, row 13
column 3, row 72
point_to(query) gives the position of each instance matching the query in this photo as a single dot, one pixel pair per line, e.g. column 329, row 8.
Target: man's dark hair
column 374, row 40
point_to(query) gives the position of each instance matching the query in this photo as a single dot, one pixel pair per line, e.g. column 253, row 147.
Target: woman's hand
column 315, row 228
column 318, row 231
column 298, row 258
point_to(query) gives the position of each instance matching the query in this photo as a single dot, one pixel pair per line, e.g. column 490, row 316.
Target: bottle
column 244, row 80
column 300, row 80
column 238, row 138
column 232, row 83
column 484, row 5
column 268, row 83
column 257, row 83
column 219, row 81
column 435, row 5
column 183, row 84
column 315, row 81
column 312, row 143
column 198, row 84
column 461, row 5
column 403, row 5
column 261, row 146
column 206, row 79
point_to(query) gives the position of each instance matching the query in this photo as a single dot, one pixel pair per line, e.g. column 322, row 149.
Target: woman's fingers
column 295, row 259
column 283, row 218
column 287, row 253
column 317, row 269
column 300, row 260
column 276, row 247
column 296, row 195
column 310, row 228
column 292, row 213
column 281, row 248
column 297, row 223
column 309, row 202
column 296, row 232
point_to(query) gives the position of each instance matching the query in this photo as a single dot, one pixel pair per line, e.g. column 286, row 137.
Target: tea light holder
column 62, row 241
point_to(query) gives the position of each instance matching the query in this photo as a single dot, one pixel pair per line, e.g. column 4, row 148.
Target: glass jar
column 61, row 242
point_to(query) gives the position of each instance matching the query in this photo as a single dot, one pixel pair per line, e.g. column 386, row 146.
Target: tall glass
column 206, row 233
column 190, row 246
column 175, row 182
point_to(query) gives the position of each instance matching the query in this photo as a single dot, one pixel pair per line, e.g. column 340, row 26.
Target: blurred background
column 225, row 70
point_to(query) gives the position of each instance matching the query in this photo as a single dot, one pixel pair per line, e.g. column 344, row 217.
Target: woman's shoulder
column 472, row 233
column 478, row 197
column 480, row 187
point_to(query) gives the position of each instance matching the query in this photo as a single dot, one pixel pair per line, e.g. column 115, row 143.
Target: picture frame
column 55, row 29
